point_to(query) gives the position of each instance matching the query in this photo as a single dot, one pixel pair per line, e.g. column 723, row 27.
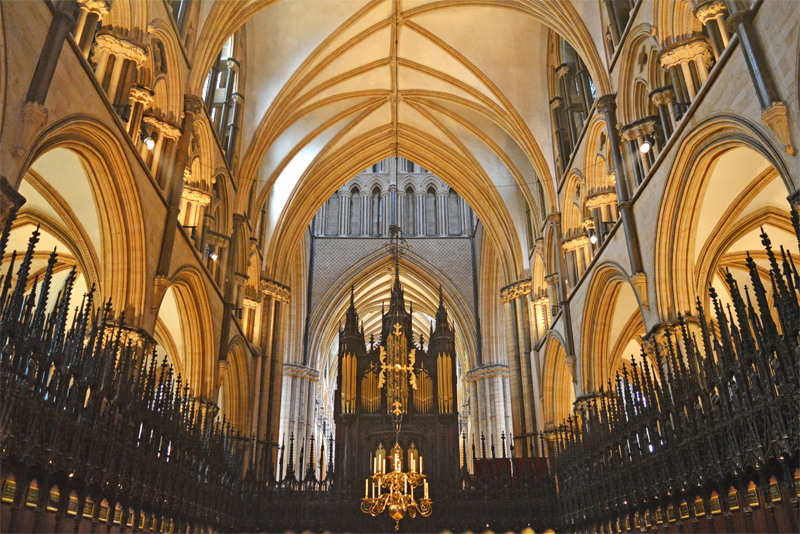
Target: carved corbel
column 639, row 283
column 776, row 118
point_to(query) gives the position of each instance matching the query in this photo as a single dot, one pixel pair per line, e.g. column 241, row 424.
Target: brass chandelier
column 394, row 491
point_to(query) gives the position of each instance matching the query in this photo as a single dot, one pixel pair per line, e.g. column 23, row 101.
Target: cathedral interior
column 400, row 265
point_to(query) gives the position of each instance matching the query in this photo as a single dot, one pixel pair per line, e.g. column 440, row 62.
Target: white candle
column 413, row 464
column 420, row 465
column 426, row 489
column 383, row 468
column 405, row 484
column 366, row 488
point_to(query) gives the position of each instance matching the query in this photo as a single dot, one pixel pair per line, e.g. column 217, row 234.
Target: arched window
column 222, row 98
column 410, row 223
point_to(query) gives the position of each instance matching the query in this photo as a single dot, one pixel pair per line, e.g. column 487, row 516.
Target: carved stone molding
column 190, row 194
column 250, row 304
column 600, row 199
column 165, row 128
column 517, row 289
column 119, row 46
column 685, row 51
column 100, row 7
column 706, row 11
column 193, row 104
column 273, row 289
column 575, row 242
column 776, row 118
column 638, row 129
column 487, row 371
column 663, row 97
column 141, row 94
column 300, row 371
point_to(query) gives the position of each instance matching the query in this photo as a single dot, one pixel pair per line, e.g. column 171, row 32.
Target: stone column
column 685, row 54
column 365, row 212
column 607, row 104
column 629, row 136
column 712, row 15
column 664, row 99
column 344, row 211
column 401, row 209
column 268, row 397
column 230, row 87
column 109, row 45
column 92, row 12
column 174, row 188
column 419, row 215
column 233, row 128
column 774, row 113
column 161, row 166
column 140, row 99
column 384, row 213
column 60, row 26
column 441, row 212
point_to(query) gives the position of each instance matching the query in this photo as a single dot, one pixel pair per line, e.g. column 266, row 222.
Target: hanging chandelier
column 394, row 491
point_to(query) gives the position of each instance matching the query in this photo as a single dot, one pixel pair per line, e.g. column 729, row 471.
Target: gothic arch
column 558, row 384
column 116, row 200
column 235, row 389
column 185, row 312
column 339, row 165
column 632, row 104
column 682, row 214
column 675, row 21
column 612, row 314
column 167, row 98
column 129, row 17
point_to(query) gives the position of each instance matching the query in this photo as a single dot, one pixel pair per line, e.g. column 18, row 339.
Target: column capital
column 119, row 46
column 193, row 194
column 193, row 104
column 685, row 51
column 344, row 193
column 100, row 7
column 515, row 290
column 711, row 9
column 141, row 94
column 607, row 103
column 167, row 129
column 273, row 289
column 562, row 69
column 663, row 96
column 483, row 372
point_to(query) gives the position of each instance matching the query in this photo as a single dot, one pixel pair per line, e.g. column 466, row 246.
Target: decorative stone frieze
column 119, row 46
column 685, row 51
column 273, row 289
column 600, row 199
column 250, row 304
column 165, row 128
column 513, row 291
column 191, row 194
column 575, row 242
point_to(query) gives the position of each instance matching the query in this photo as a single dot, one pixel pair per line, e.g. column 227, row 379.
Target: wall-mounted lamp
column 146, row 138
column 646, row 145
